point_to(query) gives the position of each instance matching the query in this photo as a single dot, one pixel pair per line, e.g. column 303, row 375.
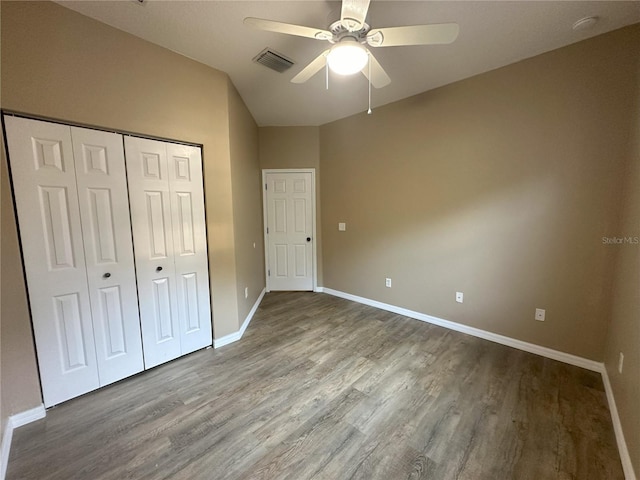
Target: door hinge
column 267, row 230
column 269, row 273
column 265, row 187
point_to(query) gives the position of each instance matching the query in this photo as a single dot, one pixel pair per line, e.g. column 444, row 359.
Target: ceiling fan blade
column 310, row 70
column 379, row 77
column 436, row 34
column 287, row 28
column 354, row 13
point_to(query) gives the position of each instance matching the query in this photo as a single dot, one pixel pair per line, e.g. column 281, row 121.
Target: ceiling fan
column 350, row 35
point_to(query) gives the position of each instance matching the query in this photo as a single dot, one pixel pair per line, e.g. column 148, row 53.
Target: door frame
column 314, row 251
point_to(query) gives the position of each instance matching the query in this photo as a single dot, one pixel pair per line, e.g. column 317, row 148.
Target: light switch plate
column 342, row 227
column 540, row 314
column 459, row 297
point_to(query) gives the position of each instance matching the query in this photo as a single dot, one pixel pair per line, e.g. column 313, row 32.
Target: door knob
column 308, row 239
column 158, row 269
column 106, row 275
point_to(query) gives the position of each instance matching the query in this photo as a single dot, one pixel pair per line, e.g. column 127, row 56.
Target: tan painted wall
column 500, row 186
column 60, row 64
column 624, row 327
column 295, row 147
column 247, row 203
column 18, row 369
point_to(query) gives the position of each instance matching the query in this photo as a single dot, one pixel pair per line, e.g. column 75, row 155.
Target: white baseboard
column 20, row 419
column 235, row 336
column 13, row 422
column 6, row 448
column 476, row 332
column 627, row 466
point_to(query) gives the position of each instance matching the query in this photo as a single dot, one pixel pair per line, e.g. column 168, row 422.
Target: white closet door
column 148, row 178
column 104, row 210
column 44, row 179
column 190, row 246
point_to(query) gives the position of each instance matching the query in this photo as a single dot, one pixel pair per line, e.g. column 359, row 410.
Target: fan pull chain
column 326, row 72
column 369, row 78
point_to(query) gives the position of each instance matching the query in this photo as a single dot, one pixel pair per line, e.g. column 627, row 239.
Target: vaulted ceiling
column 492, row 34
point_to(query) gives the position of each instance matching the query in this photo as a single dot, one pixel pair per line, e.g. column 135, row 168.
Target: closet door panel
column 44, row 179
column 148, row 178
column 104, row 209
column 190, row 242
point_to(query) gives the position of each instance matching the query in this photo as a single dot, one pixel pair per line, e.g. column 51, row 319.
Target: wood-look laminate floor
column 323, row 388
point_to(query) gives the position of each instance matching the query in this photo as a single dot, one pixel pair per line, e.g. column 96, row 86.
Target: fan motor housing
column 339, row 32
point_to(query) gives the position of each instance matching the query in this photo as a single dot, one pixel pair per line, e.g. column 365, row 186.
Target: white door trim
column 314, row 252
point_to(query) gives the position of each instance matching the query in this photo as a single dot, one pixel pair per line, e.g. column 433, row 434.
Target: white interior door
column 104, row 210
column 148, row 178
column 44, row 179
column 289, row 218
column 190, row 246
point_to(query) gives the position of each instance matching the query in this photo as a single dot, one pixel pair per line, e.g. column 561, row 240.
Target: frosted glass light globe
column 347, row 58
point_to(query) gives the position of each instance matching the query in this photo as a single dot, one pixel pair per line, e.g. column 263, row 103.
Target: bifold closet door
column 167, row 212
column 190, row 246
column 106, row 228
column 153, row 242
column 73, row 216
column 43, row 171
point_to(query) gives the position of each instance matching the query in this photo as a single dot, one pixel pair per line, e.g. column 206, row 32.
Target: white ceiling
column 492, row 34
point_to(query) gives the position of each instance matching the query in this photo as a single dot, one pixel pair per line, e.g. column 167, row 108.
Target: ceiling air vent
column 273, row 60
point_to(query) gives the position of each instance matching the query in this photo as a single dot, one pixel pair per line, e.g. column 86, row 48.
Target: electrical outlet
column 620, row 362
column 459, row 297
column 387, row 282
column 254, row 244
column 246, row 292
column 540, row 313
column 342, row 227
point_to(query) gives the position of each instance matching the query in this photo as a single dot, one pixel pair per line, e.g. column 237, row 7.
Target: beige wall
column 60, row 64
column 18, row 370
column 500, row 186
column 247, row 204
column 624, row 327
column 295, row 147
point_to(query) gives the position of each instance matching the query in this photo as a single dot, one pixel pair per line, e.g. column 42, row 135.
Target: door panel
column 54, row 208
column 300, row 263
column 104, row 209
column 190, row 289
column 300, row 217
column 69, row 326
column 101, row 226
column 190, row 242
column 148, row 177
column 290, row 223
column 185, row 224
column 156, row 203
column 161, row 311
column 44, row 179
column 115, row 343
column 280, row 260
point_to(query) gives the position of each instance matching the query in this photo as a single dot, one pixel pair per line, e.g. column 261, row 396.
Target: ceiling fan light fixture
column 347, row 57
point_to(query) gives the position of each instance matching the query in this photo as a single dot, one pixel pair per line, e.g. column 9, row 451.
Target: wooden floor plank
column 322, row 388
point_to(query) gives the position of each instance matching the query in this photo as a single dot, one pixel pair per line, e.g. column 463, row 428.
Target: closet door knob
column 106, row 275
column 158, row 269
